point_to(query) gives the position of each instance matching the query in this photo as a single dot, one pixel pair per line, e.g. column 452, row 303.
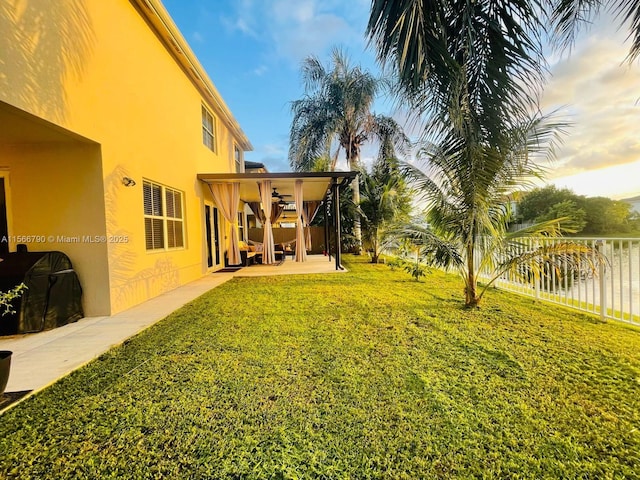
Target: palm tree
column 475, row 70
column 567, row 16
column 501, row 38
column 468, row 187
column 484, row 57
column 336, row 113
column 385, row 201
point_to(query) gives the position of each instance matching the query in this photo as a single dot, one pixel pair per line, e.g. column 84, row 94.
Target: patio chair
column 290, row 248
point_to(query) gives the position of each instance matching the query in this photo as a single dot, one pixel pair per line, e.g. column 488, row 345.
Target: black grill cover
column 53, row 296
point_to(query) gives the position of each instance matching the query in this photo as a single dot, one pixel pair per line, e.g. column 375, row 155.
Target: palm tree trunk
column 353, row 160
column 375, row 254
column 471, row 282
column 357, row 229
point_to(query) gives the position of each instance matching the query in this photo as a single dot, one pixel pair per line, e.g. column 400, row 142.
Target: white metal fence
column 612, row 292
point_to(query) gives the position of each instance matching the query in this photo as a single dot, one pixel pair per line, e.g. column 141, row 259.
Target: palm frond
column 487, row 53
column 628, row 12
column 557, row 259
column 433, row 249
column 570, row 17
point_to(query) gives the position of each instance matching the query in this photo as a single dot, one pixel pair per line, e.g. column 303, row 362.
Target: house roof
column 160, row 20
column 315, row 184
column 254, row 166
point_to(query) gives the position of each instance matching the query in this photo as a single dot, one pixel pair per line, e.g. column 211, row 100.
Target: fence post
column 603, row 284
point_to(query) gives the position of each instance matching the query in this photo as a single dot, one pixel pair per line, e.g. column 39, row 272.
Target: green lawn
column 367, row 374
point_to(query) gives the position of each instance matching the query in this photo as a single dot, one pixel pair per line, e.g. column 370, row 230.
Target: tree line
column 579, row 214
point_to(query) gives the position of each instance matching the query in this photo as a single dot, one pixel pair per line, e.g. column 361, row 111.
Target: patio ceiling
column 315, row 184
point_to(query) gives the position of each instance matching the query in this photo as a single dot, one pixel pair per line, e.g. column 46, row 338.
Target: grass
column 367, row 374
column 586, row 306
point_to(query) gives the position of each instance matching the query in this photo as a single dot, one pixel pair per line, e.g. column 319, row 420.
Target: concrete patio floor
column 40, row 359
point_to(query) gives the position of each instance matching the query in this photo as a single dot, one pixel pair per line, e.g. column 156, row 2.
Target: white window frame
column 237, row 157
column 208, row 129
column 161, row 216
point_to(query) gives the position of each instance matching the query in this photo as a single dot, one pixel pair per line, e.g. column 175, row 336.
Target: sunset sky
column 253, row 49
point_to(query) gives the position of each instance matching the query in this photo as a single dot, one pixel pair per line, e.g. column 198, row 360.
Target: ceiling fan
column 281, row 196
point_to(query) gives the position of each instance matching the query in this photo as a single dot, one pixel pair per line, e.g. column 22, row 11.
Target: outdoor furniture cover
column 53, row 296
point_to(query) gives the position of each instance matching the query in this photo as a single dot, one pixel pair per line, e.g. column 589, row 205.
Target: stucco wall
column 56, row 195
column 98, row 69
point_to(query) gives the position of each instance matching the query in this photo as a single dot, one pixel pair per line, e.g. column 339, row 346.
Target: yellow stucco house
column 106, row 117
column 113, row 144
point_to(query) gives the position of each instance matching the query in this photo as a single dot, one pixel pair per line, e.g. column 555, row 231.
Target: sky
column 252, row 50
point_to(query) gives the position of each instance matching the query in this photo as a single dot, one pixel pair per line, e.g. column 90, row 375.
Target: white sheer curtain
column 227, row 197
column 268, row 249
column 309, row 210
column 301, row 251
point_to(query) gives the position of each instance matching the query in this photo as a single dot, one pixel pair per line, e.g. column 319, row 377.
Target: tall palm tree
column 336, row 114
column 475, row 69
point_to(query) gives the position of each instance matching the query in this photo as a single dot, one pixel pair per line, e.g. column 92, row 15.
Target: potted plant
column 6, row 306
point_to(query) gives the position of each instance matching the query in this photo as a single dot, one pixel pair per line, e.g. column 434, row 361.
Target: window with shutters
column 208, row 129
column 163, row 217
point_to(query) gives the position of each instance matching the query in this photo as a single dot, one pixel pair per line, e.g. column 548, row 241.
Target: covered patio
column 311, row 192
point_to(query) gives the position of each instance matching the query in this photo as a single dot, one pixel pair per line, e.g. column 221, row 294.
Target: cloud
column 617, row 182
column 261, row 70
column 313, row 37
column 271, row 149
column 275, row 164
column 239, row 25
column 285, row 11
column 599, row 93
column 295, row 30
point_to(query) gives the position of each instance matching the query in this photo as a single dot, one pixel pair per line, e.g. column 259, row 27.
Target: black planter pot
column 5, row 368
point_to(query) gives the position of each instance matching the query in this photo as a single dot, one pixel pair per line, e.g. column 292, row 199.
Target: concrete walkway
column 39, row 359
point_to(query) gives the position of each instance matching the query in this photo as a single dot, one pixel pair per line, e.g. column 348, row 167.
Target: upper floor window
column 208, row 129
column 237, row 156
column 163, row 217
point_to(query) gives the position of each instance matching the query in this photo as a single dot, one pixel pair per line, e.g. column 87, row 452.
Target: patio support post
column 325, row 212
column 336, row 211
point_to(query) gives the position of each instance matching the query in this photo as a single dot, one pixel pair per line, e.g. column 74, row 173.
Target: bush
column 7, row 298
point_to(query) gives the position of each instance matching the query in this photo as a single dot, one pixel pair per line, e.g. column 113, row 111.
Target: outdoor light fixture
column 128, row 182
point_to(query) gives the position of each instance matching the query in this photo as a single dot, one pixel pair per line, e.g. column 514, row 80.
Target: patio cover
column 317, row 186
